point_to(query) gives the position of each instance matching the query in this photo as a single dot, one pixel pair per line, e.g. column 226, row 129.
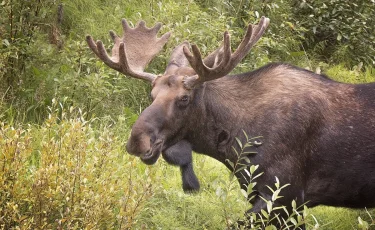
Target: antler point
column 141, row 23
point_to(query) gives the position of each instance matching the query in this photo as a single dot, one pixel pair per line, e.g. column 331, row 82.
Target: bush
column 338, row 30
column 65, row 174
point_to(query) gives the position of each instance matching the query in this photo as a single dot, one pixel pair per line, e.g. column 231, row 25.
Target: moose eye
column 183, row 101
column 184, row 98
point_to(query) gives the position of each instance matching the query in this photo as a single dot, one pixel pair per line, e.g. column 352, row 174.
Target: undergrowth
column 64, row 174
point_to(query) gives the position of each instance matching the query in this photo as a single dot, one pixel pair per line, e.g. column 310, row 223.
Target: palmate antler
column 138, row 46
column 132, row 52
column 222, row 61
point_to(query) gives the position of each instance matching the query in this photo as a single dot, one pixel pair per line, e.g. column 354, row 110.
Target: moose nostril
column 152, row 139
column 148, row 153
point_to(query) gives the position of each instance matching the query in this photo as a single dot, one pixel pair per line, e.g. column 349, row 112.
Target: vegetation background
column 65, row 116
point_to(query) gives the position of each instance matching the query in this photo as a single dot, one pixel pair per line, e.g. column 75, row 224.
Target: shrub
column 338, row 30
column 65, row 174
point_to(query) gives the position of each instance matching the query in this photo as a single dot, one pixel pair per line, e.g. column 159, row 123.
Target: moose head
column 177, row 93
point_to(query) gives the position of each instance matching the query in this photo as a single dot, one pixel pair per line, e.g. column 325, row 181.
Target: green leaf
column 257, row 14
column 244, row 133
column 305, row 211
column 362, row 224
column 253, row 168
column 264, row 213
column 293, row 221
column 244, row 193
column 285, row 185
column 230, row 163
column 239, row 142
column 247, row 172
column 6, row 42
column 269, row 206
column 258, row 175
column 294, row 205
column 275, row 195
column 271, row 227
column 251, row 198
column 277, row 184
column 248, row 152
column 339, row 36
column 270, row 188
column 235, row 151
column 240, row 169
column 299, row 219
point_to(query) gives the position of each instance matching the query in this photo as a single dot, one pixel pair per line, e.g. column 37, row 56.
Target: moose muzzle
column 144, row 141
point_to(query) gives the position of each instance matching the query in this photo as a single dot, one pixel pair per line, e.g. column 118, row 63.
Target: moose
column 318, row 134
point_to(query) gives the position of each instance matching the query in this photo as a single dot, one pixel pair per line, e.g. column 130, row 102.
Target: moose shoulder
column 318, row 134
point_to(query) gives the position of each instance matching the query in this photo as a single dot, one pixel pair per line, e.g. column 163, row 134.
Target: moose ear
column 222, row 140
column 178, row 64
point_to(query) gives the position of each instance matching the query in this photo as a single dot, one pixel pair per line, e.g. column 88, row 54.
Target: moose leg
column 190, row 182
column 181, row 154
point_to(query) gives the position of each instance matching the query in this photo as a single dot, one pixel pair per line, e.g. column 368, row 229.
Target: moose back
column 317, row 134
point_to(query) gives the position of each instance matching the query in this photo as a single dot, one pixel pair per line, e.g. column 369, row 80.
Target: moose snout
column 138, row 144
column 145, row 131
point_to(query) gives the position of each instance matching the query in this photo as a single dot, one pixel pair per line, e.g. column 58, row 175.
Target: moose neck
column 221, row 112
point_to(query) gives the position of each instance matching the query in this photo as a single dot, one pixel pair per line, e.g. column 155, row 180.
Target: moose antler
column 220, row 62
column 132, row 52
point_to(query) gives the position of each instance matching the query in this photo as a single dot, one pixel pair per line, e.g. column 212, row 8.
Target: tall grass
column 64, row 174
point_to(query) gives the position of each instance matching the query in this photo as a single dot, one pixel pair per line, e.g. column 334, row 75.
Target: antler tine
column 251, row 37
column 133, row 51
column 99, row 50
column 204, row 72
column 114, row 36
column 222, row 61
column 92, row 44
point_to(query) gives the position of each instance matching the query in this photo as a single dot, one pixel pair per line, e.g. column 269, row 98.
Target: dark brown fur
column 318, row 134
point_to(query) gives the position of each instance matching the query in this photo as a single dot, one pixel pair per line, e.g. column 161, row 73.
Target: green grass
column 339, row 218
column 171, row 208
column 357, row 74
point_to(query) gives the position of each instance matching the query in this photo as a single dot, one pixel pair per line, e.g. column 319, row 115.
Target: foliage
column 269, row 217
column 338, row 30
column 362, row 224
column 355, row 75
column 22, row 23
column 65, row 174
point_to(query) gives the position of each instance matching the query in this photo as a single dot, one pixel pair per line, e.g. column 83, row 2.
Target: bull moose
column 317, row 134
